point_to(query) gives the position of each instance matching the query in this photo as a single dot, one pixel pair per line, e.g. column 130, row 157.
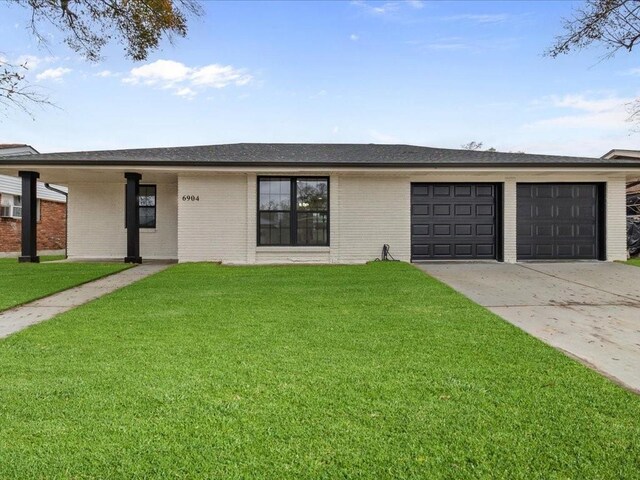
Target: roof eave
column 155, row 163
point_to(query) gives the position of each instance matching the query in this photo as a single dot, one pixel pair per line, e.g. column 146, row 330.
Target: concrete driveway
column 589, row 310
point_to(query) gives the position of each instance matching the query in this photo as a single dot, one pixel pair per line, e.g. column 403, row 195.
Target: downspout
column 66, row 215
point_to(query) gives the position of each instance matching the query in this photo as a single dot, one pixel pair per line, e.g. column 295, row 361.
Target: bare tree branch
column 612, row 23
column 89, row 25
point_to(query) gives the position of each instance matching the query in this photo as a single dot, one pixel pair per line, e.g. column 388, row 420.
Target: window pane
column 147, row 217
column 312, row 194
column 312, row 229
column 275, row 194
column 275, row 228
column 17, row 200
column 147, row 196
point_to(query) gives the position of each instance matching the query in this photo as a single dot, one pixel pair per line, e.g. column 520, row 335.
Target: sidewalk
column 17, row 318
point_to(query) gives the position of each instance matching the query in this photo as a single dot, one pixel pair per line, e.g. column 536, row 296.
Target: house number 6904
column 191, row 198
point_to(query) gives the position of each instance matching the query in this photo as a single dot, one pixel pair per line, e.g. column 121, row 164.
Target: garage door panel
column 543, row 211
column 462, row 190
column 486, row 251
column 463, row 210
column 442, row 250
column 485, row 210
column 420, row 229
column 422, row 209
column 464, row 249
column 456, row 221
column 485, row 230
column 586, row 250
column 463, row 230
column 440, row 210
column 485, row 191
column 557, row 221
column 421, row 190
column 542, row 191
column 441, row 190
column 441, row 229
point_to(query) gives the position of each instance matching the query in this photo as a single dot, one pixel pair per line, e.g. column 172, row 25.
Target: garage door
column 559, row 221
column 454, row 221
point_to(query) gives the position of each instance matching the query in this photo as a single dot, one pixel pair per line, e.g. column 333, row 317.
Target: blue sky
column 426, row 73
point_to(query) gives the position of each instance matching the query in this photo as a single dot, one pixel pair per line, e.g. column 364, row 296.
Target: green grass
column 372, row 371
column 51, row 258
column 24, row 282
column 634, row 261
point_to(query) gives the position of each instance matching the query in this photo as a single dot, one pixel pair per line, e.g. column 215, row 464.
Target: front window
column 293, row 211
column 147, row 206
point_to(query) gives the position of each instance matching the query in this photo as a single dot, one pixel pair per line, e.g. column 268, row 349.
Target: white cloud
column 184, row 80
column 382, row 137
column 163, row 72
column 354, row 37
column 378, row 9
column 32, row 62
column 54, row 74
column 186, row 92
column 105, row 74
column 219, row 76
column 585, row 111
column 453, row 43
column 416, row 3
column 321, row 93
column 478, row 18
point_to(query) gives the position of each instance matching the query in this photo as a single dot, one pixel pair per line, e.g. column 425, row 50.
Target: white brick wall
column 215, row 227
column 616, row 218
column 373, row 210
column 509, row 219
column 96, row 222
column 367, row 211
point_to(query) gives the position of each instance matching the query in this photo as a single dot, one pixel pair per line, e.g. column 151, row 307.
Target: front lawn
column 24, row 282
column 634, row 261
column 375, row 371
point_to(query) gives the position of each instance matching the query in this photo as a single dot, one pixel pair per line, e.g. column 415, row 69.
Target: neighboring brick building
column 52, row 212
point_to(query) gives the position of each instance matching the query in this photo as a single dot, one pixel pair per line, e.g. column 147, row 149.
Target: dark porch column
column 29, row 217
column 133, row 222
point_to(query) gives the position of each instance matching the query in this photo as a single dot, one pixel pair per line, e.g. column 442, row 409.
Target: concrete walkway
column 38, row 311
column 589, row 310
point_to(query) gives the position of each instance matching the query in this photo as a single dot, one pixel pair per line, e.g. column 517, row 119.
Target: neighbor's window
column 12, row 206
column 146, row 206
column 17, row 206
column 293, row 211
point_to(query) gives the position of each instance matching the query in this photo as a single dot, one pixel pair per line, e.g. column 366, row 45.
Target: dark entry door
column 454, row 221
column 559, row 221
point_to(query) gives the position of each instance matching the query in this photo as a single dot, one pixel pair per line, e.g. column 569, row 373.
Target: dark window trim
column 155, row 206
column 293, row 211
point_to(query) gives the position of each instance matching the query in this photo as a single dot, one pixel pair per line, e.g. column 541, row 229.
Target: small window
column 146, row 206
column 17, row 206
column 293, row 211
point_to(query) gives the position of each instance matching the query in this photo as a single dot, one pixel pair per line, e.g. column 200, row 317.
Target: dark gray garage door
column 454, row 221
column 559, row 221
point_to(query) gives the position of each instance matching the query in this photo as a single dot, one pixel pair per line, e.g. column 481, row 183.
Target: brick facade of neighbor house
column 51, row 229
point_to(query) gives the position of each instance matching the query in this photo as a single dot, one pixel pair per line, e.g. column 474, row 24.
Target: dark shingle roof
column 301, row 154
